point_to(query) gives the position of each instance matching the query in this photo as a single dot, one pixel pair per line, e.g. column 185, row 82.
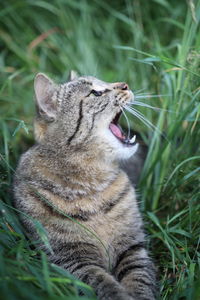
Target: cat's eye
column 96, row 93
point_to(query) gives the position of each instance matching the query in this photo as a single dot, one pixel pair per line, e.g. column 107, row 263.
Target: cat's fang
column 132, row 140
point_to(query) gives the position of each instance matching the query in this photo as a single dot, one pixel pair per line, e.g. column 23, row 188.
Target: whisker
column 147, row 96
column 148, row 106
column 142, row 118
column 138, row 91
column 127, row 121
column 142, row 94
column 144, row 104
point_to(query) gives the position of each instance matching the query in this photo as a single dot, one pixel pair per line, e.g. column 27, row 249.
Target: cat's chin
column 125, row 153
column 114, row 148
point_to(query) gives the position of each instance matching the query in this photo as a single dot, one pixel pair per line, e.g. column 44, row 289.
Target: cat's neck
column 87, row 162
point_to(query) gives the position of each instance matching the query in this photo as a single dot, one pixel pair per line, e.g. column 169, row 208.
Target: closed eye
column 98, row 93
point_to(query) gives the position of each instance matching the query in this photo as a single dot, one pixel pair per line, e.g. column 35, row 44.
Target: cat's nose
column 122, row 86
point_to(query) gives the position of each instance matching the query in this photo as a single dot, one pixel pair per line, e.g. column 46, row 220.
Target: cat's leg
column 105, row 285
column 85, row 262
column 136, row 272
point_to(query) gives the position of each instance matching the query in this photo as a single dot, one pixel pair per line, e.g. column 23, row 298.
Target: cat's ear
column 44, row 90
column 72, row 75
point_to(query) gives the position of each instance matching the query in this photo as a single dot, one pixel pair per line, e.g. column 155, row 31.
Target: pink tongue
column 115, row 130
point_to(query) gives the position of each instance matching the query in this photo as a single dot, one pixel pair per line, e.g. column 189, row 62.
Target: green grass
column 152, row 45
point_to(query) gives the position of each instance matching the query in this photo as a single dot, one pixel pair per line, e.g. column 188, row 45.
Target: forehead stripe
column 78, row 122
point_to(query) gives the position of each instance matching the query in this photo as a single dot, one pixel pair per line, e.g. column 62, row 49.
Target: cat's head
column 83, row 112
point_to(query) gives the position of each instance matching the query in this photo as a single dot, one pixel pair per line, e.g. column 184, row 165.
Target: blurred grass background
column 153, row 45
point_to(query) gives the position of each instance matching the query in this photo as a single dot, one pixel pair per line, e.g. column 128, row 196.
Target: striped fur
column 73, row 173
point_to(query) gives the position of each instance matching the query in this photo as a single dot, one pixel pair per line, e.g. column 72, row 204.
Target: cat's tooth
column 133, row 139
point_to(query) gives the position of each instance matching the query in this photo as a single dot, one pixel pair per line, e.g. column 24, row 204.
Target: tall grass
column 154, row 46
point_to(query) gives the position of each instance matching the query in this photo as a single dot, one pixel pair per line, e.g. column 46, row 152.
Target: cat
column 71, row 182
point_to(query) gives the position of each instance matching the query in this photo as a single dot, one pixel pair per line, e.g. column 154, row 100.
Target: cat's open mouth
column 117, row 131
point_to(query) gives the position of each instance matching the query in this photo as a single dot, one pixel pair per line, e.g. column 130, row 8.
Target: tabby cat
column 71, row 176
